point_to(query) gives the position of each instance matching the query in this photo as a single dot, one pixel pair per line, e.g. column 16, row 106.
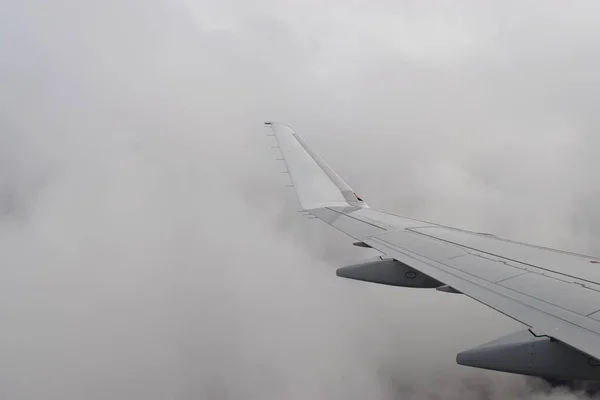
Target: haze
column 150, row 248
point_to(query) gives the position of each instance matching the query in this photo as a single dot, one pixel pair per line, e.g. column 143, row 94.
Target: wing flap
column 492, row 270
column 567, row 295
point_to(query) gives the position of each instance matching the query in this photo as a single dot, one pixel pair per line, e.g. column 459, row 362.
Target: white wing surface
column 554, row 293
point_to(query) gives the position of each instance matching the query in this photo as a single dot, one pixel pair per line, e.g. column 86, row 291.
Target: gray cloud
column 150, row 249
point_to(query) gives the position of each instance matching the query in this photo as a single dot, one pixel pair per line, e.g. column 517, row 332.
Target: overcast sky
column 150, row 250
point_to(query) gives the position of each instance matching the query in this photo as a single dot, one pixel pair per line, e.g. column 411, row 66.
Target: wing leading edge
column 556, row 294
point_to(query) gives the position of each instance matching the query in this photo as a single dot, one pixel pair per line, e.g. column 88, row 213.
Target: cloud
column 150, row 249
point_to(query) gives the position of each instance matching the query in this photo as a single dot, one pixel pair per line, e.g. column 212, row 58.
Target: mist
column 151, row 250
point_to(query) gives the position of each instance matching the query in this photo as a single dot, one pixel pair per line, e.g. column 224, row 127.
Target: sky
column 151, row 250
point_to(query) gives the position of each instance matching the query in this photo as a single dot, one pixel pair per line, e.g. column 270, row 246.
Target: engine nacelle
column 388, row 272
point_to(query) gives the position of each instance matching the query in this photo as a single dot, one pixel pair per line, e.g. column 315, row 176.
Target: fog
column 150, row 249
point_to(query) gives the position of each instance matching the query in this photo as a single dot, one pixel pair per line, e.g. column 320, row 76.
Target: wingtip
column 316, row 184
column 274, row 124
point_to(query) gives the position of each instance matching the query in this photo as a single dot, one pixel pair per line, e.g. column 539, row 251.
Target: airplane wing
column 556, row 294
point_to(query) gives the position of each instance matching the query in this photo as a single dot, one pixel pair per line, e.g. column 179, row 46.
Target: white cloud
column 150, row 249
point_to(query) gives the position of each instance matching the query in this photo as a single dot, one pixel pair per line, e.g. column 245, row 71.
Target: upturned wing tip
column 316, row 184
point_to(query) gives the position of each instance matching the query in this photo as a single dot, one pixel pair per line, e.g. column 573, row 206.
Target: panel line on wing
column 481, row 293
column 504, row 257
